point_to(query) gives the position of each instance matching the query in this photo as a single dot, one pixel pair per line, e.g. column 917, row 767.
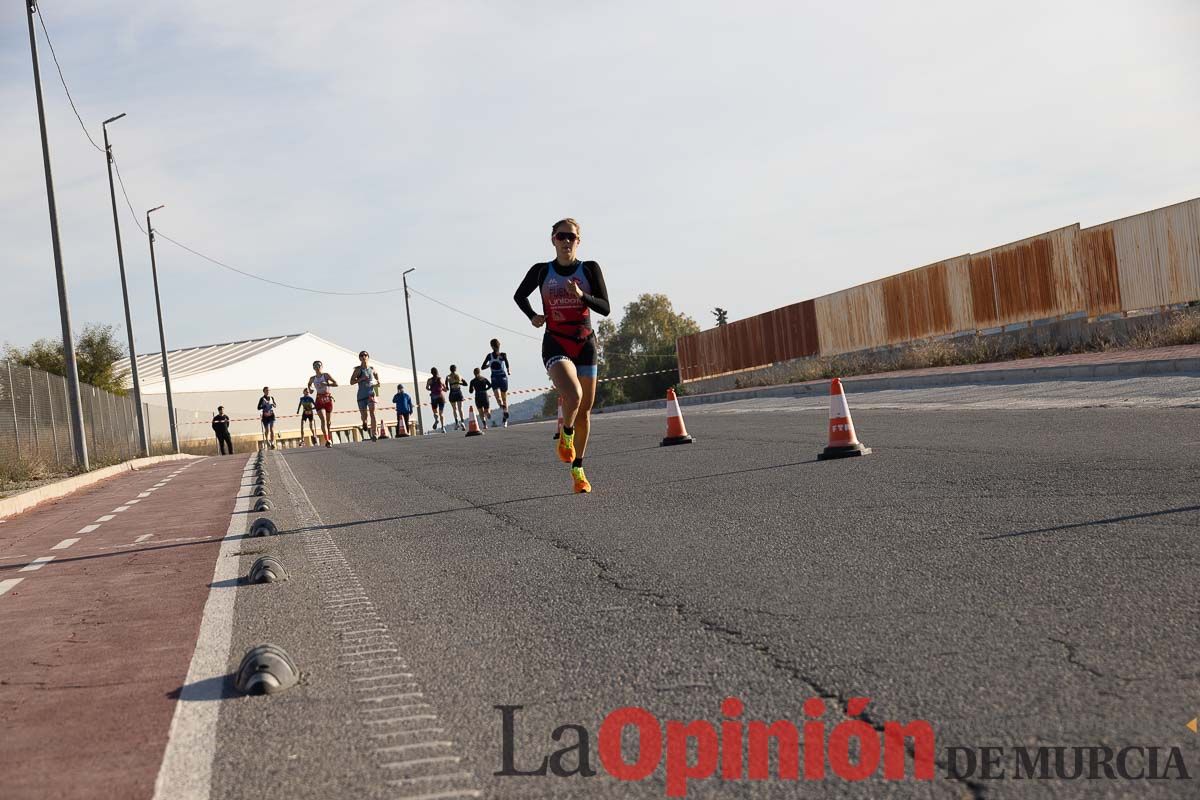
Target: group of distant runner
column 451, row 388
column 570, row 290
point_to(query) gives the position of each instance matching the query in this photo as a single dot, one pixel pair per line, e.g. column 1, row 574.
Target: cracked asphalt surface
column 1015, row 577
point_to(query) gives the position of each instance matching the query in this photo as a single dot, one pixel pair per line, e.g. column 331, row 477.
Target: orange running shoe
column 581, row 482
column 566, row 448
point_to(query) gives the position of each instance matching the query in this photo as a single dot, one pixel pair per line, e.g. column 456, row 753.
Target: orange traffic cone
column 676, row 433
column 843, row 442
column 401, row 429
column 556, row 435
column 383, row 434
column 472, row 425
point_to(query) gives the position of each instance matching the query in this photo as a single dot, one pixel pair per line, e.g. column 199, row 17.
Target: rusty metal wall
column 1144, row 261
column 778, row 335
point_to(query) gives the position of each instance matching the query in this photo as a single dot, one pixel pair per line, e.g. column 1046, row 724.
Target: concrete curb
column 10, row 506
column 875, row 383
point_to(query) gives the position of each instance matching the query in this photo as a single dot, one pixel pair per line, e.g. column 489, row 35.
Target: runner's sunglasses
column 565, row 237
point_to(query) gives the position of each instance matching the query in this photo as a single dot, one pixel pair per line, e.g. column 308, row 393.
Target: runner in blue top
column 367, row 379
column 266, row 405
column 497, row 362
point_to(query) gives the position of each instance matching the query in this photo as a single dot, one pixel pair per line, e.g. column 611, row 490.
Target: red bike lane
column 101, row 596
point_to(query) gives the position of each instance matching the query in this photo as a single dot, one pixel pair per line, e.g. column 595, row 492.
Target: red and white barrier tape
column 392, row 408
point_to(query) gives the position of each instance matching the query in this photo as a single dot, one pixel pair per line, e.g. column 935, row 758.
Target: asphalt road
column 1015, row 577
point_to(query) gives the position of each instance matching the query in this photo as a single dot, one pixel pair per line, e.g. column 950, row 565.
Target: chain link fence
column 36, row 428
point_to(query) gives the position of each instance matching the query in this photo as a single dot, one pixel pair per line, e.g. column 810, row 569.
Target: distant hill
column 526, row 409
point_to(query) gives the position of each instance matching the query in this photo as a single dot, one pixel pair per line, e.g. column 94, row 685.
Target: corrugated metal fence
column 1149, row 260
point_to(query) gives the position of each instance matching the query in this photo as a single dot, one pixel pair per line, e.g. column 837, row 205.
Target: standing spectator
column 220, row 426
column 404, row 406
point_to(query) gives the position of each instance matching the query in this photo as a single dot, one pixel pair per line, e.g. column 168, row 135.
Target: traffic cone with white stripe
column 472, row 425
column 676, row 432
column 843, row 442
column 383, row 434
column 401, row 429
column 559, row 433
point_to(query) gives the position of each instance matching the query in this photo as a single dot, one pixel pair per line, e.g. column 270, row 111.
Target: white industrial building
column 233, row 375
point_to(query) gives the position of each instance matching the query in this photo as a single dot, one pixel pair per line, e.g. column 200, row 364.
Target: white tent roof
column 278, row 361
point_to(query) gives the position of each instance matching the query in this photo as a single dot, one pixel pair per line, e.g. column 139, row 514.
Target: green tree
column 97, row 351
column 644, row 341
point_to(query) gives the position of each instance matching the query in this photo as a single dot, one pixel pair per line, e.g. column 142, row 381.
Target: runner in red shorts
column 322, row 382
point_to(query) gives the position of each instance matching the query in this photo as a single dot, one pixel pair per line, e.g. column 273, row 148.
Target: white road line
column 64, row 544
column 87, row 529
column 382, row 677
column 186, row 772
column 119, row 509
column 404, row 748
column 160, row 484
column 143, row 494
column 441, row 776
column 143, row 537
column 413, row 718
column 382, row 697
column 413, row 762
column 36, row 564
column 106, row 518
column 8, row 584
column 132, row 502
column 412, row 732
column 427, row 779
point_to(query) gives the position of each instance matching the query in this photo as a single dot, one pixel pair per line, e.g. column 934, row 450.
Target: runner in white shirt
column 322, row 381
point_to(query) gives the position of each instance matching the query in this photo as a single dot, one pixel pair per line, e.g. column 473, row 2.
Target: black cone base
column 843, row 452
column 474, row 433
column 685, row 439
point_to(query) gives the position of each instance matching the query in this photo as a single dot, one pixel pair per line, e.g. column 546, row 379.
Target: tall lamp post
column 78, row 440
column 412, row 351
column 143, row 444
column 162, row 337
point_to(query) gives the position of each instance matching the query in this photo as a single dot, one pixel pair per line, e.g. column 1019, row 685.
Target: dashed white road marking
column 119, row 509
column 8, row 584
column 132, row 502
column 88, row 528
column 105, row 518
column 64, row 544
column 143, row 494
column 36, row 564
column 143, row 537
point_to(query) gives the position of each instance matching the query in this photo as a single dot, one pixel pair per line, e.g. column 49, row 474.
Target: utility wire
column 71, row 100
column 128, row 202
column 231, row 268
column 472, row 316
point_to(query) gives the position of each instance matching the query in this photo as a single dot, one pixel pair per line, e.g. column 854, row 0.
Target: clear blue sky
column 744, row 155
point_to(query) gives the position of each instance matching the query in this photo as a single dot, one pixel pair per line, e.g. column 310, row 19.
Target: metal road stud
column 263, row 527
column 260, row 491
column 262, row 504
column 268, row 569
column 266, row 669
column 260, row 480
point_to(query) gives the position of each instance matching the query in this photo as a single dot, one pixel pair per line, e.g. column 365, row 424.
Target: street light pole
column 64, row 310
column 162, row 337
column 412, row 351
column 143, row 443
